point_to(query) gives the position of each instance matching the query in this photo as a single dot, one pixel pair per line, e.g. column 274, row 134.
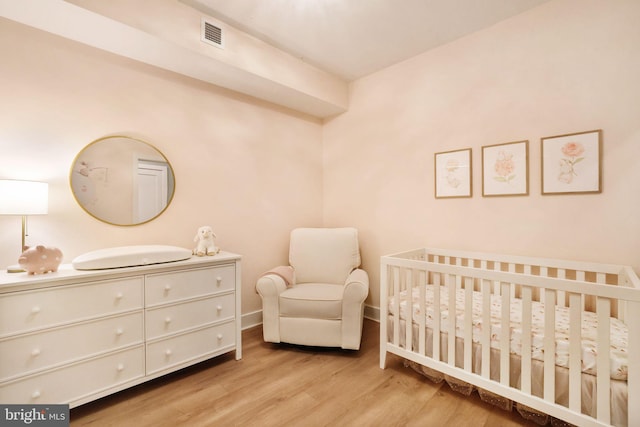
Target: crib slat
column 603, row 376
column 561, row 299
column 396, row 305
column 575, row 351
column 633, row 376
column 468, row 323
column 408, row 338
column 496, row 284
column 622, row 304
column 581, row 277
column 549, row 345
column 485, row 339
column 437, row 316
column 422, row 320
column 384, row 315
column 525, row 367
column 602, row 279
column 512, row 269
column 544, row 272
column 505, row 339
column 451, row 333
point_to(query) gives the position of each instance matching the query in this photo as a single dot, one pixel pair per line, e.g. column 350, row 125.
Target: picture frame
column 505, row 169
column 572, row 163
column 453, row 174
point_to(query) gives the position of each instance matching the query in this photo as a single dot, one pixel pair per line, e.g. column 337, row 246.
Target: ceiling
column 353, row 38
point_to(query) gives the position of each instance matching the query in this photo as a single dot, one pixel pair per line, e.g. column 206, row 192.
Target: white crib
column 529, row 355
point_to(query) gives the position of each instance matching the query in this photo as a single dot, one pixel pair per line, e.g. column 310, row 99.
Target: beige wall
column 567, row 66
column 249, row 169
column 254, row 171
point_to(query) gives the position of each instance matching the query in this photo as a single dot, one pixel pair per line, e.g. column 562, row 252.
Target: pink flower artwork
column 573, row 152
column 504, row 167
column 452, row 179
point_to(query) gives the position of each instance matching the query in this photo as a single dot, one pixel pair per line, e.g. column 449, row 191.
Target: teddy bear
column 206, row 244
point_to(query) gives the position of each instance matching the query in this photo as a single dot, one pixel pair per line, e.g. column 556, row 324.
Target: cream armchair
column 318, row 300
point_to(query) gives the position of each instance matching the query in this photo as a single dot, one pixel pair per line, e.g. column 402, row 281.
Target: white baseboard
column 249, row 320
column 372, row 313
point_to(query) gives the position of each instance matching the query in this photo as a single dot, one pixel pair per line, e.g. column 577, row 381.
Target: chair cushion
column 324, row 255
column 312, row 300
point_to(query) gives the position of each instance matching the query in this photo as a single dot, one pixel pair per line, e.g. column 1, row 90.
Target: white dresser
column 75, row 336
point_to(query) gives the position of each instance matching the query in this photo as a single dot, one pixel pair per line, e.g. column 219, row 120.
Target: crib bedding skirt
column 519, row 328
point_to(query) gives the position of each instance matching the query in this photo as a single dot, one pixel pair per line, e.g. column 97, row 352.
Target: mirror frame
column 73, row 170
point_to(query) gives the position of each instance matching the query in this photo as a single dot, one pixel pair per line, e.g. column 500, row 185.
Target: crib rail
column 607, row 290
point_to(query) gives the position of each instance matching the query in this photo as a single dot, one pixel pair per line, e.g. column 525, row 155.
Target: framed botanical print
column 505, row 169
column 572, row 163
column 453, row 174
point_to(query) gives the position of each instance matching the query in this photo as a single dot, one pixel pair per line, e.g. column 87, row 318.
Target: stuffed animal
column 40, row 259
column 206, row 244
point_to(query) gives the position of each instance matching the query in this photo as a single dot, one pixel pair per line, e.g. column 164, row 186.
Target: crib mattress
column 618, row 336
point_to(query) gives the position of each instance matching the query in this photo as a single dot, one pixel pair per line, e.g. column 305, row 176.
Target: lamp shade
column 23, row 197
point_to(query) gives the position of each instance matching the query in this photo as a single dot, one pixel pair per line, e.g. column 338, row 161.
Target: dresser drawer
column 170, row 352
column 24, row 311
column 178, row 317
column 167, row 287
column 25, row 353
column 76, row 381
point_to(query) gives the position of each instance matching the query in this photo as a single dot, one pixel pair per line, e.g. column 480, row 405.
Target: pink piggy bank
column 40, row 260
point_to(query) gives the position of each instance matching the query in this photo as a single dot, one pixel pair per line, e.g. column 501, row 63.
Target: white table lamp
column 23, row 198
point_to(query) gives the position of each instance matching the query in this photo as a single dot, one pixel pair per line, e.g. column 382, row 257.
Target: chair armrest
column 356, row 286
column 270, row 285
column 356, row 289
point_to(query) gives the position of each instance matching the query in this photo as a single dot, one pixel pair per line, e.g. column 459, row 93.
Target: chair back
column 324, row 255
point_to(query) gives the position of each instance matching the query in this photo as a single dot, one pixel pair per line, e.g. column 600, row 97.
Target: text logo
column 34, row 415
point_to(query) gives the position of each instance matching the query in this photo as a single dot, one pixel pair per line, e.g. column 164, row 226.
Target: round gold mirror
column 122, row 180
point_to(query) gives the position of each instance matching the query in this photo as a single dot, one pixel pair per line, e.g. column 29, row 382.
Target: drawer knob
column 168, row 353
column 219, row 308
column 35, row 352
column 218, row 280
column 35, row 309
column 120, row 367
column 167, row 320
column 35, row 394
column 119, row 331
column 119, row 295
column 167, row 288
column 219, row 336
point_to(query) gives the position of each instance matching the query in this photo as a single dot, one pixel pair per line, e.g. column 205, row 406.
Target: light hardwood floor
column 285, row 385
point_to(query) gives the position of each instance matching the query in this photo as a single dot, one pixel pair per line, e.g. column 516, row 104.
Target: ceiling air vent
column 212, row 33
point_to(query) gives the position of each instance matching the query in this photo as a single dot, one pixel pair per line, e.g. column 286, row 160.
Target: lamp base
column 15, row 269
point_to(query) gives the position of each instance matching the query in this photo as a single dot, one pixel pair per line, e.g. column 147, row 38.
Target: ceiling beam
column 75, row 23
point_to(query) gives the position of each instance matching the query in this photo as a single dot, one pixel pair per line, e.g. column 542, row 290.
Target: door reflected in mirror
column 122, row 180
